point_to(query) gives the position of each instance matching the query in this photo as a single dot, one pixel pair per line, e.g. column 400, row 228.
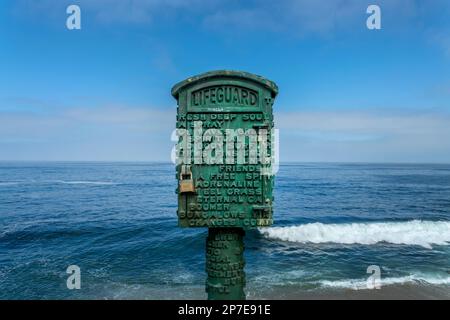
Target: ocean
column 118, row 223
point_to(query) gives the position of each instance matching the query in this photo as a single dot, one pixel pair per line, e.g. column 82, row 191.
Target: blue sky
column 346, row 93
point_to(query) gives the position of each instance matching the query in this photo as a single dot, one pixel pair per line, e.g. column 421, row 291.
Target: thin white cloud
column 364, row 136
column 293, row 18
column 310, row 15
column 140, row 118
column 143, row 133
column 442, row 39
column 105, row 133
column 116, row 11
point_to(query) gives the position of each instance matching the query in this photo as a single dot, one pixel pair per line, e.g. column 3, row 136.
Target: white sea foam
column 361, row 284
column 99, row 183
column 8, row 184
column 415, row 232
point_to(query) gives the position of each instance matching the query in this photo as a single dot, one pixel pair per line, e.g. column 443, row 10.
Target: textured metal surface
column 226, row 195
column 231, row 194
column 225, row 264
column 207, row 76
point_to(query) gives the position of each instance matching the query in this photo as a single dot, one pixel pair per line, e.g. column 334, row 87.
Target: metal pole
column 225, row 264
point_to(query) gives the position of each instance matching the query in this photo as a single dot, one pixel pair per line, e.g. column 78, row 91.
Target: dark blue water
column 117, row 222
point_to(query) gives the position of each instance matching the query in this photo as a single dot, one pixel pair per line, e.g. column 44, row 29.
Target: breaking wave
column 361, row 284
column 415, row 232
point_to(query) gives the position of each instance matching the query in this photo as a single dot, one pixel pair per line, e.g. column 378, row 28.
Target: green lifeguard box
column 225, row 161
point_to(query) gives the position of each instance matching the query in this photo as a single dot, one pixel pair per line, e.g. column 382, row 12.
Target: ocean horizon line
column 281, row 163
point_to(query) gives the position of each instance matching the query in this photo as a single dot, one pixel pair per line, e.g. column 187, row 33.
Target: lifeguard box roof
column 223, row 74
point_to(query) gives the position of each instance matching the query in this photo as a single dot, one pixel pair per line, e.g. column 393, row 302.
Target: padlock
column 186, row 181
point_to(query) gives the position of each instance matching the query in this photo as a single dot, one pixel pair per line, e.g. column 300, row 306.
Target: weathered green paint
column 225, row 264
column 226, row 197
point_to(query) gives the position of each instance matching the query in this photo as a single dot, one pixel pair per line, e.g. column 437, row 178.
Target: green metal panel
column 226, row 195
